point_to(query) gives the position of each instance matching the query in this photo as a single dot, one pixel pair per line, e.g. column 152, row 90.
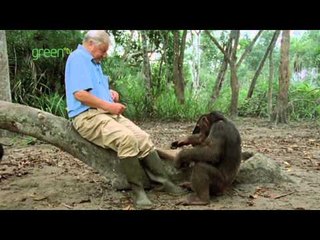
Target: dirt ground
column 37, row 175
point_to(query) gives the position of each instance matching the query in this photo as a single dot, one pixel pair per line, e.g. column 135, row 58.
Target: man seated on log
column 96, row 114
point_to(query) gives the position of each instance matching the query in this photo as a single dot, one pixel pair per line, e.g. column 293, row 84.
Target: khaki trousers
column 115, row 132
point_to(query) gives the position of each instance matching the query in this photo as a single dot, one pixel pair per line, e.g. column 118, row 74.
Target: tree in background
column 231, row 58
column 5, row 91
column 178, row 57
column 281, row 110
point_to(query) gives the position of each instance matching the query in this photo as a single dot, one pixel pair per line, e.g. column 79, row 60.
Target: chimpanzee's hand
column 179, row 143
column 174, row 145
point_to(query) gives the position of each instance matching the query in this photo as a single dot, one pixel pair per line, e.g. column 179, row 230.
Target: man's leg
column 103, row 130
column 145, row 144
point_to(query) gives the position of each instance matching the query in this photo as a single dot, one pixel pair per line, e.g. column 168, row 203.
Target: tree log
column 59, row 132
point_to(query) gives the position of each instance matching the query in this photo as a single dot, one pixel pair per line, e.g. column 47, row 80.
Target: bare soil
column 37, row 175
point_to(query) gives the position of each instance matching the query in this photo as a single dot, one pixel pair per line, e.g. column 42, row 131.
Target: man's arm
column 92, row 101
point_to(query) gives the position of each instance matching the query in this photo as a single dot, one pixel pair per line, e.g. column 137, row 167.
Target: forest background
column 179, row 74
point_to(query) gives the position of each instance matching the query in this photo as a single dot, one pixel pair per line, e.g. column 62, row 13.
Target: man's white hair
column 98, row 37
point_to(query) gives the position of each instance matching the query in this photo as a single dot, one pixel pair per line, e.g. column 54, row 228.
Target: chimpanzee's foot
column 187, row 185
column 192, row 199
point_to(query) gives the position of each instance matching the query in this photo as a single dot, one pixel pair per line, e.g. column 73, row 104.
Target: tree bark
column 234, row 34
column 270, row 84
column 5, row 92
column 163, row 60
column 196, row 41
column 147, row 72
column 59, row 132
column 178, row 78
column 281, row 114
column 234, row 92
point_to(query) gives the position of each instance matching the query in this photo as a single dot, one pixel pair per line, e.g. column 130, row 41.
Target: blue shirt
column 83, row 73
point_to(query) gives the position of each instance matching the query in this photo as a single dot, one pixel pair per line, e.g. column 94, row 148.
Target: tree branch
column 218, row 45
column 59, row 132
column 249, row 48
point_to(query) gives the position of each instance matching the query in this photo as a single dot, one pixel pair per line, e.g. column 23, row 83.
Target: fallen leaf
column 40, row 198
column 129, row 207
column 254, row 196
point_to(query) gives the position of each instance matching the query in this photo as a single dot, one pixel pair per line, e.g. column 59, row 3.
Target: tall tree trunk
column 147, row 72
column 5, row 90
column 178, row 78
column 270, row 85
column 281, row 114
column 235, row 92
column 196, row 59
column 163, row 58
column 261, row 64
column 235, row 34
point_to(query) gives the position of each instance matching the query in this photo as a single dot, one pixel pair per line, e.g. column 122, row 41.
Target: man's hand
column 116, row 108
column 114, row 95
column 92, row 101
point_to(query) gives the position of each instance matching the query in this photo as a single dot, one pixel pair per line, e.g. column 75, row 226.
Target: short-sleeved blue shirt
column 83, row 73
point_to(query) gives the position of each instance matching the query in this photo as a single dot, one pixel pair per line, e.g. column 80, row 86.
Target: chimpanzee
column 1, row 152
column 216, row 153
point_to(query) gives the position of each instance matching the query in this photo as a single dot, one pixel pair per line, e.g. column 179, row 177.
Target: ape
column 216, row 154
column 1, row 152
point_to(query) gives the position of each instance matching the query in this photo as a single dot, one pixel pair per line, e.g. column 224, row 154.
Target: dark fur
column 1, row 152
column 216, row 154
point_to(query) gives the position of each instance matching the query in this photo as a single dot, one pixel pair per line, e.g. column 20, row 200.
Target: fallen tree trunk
column 59, row 132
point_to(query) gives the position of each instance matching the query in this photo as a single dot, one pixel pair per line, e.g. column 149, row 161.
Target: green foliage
column 307, row 49
column 159, row 79
column 133, row 95
column 118, row 70
column 53, row 103
column 40, row 82
column 306, row 57
column 167, row 106
column 222, row 104
column 257, row 105
column 23, row 140
column 37, row 60
column 304, row 102
column 252, row 61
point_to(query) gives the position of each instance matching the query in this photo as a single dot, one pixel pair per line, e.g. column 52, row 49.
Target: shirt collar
column 85, row 52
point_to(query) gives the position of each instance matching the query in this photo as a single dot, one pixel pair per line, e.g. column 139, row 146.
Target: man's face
column 99, row 51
